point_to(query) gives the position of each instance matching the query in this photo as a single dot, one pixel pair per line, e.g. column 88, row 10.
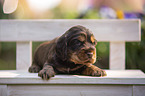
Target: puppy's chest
column 68, row 70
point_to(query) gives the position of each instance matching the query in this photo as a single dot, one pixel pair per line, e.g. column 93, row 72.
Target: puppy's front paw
column 99, row 73
column 34, row 69
column 46, row 73
column 94, row 71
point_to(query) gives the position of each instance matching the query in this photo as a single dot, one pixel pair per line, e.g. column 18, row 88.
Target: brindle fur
column 72, row 53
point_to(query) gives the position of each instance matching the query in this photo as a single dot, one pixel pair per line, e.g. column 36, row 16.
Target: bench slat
column 70, row 90
column 138, row 90
column 3, row 90
column 24, row 55
column 43, row 30
column 117, row 55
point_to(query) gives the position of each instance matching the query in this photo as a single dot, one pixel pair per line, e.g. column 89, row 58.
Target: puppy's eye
column 95, row 42
column 76, row 42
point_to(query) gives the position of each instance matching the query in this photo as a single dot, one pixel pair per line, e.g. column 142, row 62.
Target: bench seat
column 113, row 77
column 116, row 83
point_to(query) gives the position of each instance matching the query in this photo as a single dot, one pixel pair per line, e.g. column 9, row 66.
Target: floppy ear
column 61, row 48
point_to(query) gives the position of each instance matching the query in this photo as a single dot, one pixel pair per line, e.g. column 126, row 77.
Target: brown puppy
column 72, row 53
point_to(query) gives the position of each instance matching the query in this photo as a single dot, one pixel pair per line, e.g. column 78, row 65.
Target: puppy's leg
column 46, row 72
column 34, row 68
column 92, row 70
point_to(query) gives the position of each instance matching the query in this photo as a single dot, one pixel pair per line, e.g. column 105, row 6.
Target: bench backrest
column 117, row 32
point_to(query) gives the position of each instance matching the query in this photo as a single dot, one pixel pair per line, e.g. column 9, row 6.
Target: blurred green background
column 79, row 9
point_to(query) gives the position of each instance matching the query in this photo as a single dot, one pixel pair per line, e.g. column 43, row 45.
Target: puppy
column 72, row 53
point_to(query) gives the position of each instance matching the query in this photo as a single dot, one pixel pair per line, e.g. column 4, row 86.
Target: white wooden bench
column 118, row 82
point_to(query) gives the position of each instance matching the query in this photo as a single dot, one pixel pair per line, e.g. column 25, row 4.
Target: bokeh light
column 42, row 5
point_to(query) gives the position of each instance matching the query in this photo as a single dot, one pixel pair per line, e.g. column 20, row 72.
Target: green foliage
column 7, row 55
column 91, row 14
column 103, row 55
column 59, row 13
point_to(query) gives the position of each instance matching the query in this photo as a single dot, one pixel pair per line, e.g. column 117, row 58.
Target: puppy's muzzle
column 90, row 52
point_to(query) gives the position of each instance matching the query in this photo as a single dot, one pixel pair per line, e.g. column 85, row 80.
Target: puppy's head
column 77, row 45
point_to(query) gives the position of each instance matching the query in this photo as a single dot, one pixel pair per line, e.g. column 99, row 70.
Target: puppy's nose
column 90, row 54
